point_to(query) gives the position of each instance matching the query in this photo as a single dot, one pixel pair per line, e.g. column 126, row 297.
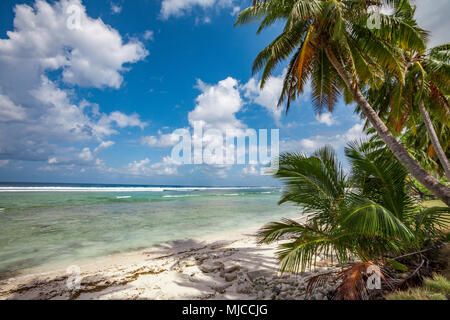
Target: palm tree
column 367, row 214
column 427, row 81
column 329, row 42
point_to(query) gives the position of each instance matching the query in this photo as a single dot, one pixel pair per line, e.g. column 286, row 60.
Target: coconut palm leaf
column 380, row 177
column 365, row 217
column 316, row 183
column 433, row 221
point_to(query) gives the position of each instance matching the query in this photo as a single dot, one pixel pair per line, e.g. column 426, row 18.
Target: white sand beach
column 205, row 268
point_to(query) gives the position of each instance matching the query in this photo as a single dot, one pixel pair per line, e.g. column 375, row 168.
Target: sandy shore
column 205, row 268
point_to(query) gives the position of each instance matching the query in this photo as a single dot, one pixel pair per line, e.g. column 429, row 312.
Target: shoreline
column 225, row 266
column 110, row 258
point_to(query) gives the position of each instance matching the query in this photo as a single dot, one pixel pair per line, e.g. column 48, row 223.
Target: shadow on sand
column 187, row 269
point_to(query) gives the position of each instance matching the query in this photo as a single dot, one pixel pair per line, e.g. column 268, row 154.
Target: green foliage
column 367, row 213
column 427, row 82
column 312, row 28
column 397, row 265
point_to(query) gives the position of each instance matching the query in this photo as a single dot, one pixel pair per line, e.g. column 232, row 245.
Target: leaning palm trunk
column 430, row 182
column 435, row 140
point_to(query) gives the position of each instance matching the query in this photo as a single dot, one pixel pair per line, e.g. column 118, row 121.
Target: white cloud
column 36, row 114
column 432, row 15
column 217, row 105
column 63, row 119
column 268, row 97
column 161, row 141
column 91, row 56
column 123, row 120
column 72, row 158
column 311, row 144
column 215, row 112
column 9, row 111
column 236, row 10
column 86, row 155
column 144, row 168
column 251, row 170
column 104, row 145
column 115, row 8
column 355, row 132
column 326, row 118
column 53, row 160
column 149, row 35
column 165, row 167
column 138, row 167
column 178, row 8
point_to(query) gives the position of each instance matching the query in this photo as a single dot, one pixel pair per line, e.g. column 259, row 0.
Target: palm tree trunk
column 425, row 178
column 435, row 140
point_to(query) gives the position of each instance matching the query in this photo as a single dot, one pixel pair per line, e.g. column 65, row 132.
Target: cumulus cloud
column 215, row 109
column 251, row 170
column 214, row 116
column 161, row 141
column 86, row 155
column 9, row 111
column 215, row 112
column 145, row 168
column 326, row 118
column 122, row 120
column 217, row 105
column 92, row 55
column 36, row 114
column 178, row 8
column 70, row 158
column 267, row 97
column 311, row 144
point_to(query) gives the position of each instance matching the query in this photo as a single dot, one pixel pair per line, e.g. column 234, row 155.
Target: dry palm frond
column 354, row 284
column 320, row 280
column 354, row 281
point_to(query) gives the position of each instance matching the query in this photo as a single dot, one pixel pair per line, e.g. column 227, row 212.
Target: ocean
column 43, row 226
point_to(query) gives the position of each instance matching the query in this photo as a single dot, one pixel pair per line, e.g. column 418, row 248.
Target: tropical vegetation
column 419, row 104
column 370, row 214
column 330, row 44
column 365, row 214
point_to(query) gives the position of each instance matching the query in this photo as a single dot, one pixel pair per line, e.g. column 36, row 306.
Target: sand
column 205, row 268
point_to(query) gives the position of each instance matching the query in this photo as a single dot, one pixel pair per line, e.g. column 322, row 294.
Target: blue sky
column 98, row 104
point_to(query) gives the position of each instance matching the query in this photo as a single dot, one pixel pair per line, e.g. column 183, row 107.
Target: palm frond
column 368, row 218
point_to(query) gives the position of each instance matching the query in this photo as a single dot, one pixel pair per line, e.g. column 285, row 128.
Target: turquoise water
column 45, row 226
